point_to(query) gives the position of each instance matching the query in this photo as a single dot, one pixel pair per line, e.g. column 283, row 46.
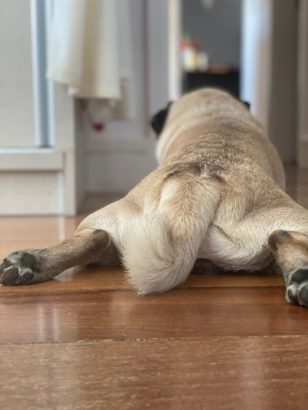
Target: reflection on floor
column 86, row 341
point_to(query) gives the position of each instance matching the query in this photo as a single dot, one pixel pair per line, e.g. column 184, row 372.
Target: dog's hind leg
column 274, row 232
column 291, row 252
column 38, row 265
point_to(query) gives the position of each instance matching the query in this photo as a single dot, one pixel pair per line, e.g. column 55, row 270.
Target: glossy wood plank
column 93, row 279
column 48, row 228
column 214, row 373
column 121, row 314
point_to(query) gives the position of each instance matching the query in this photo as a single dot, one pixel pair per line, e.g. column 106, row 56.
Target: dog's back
column 211, row 128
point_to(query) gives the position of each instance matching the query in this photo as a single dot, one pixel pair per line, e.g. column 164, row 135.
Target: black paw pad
column 10, row 276
column 29, row 261
column 300, row 276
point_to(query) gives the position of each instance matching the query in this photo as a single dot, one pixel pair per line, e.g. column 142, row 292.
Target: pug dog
column 218, row 194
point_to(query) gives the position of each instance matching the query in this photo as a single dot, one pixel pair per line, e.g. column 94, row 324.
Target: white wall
column 16, row 95
column 119, row 157
column 30, row 193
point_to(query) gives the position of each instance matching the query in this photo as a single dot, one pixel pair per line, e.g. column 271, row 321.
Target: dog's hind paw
column 19, row 268
column 297, row 290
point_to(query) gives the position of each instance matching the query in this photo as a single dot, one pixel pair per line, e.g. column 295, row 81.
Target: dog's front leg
column 38, row 265
column 291, row 252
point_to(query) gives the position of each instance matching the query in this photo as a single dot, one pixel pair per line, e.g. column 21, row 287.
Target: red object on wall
column 99, row 126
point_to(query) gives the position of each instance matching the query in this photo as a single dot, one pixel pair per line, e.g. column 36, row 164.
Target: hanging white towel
column 90, row 52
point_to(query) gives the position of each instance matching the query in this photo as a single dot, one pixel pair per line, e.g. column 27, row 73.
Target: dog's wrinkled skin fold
column 218, row 194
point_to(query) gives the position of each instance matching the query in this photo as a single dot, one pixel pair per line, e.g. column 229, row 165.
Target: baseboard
column 30, row 159
column 30, row 193
column 31, row 182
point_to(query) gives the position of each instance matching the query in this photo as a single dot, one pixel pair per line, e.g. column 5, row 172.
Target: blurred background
column 80, row 79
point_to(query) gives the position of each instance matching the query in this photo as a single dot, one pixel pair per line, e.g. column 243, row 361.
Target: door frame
column 302, row 137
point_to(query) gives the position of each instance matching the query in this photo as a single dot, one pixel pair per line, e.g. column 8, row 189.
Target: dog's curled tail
column 162, row 246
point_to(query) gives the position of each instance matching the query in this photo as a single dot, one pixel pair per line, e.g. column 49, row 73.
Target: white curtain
column 89, row 50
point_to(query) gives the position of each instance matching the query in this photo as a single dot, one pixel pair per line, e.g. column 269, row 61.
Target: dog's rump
column 161, row 245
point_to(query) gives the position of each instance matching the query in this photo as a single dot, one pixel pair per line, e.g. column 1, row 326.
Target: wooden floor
column 86, row 341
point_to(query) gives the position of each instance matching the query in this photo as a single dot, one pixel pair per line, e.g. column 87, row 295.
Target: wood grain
column 209, row 373
column 92, row 279
column 37, row 228
column 122, row 314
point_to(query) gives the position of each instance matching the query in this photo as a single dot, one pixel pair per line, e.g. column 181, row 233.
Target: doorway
column 249, row 48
